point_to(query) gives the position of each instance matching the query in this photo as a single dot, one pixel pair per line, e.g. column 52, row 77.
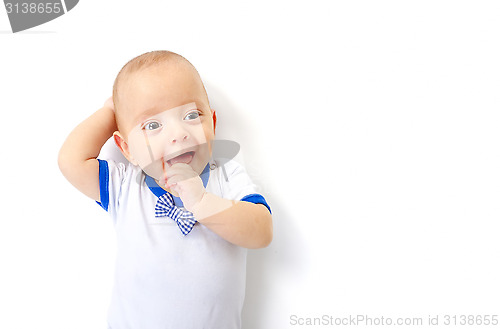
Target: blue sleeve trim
column 103, row 184
column 257, row 199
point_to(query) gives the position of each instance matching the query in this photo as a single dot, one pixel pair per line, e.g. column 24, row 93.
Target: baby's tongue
column 183, row 158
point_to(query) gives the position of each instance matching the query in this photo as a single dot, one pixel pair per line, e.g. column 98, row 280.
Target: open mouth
column 186, row 157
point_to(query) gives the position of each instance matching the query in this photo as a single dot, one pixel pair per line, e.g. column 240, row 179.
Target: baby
column 183, row 222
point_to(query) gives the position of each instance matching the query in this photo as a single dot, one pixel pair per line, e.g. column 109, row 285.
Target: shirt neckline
column 158, row 191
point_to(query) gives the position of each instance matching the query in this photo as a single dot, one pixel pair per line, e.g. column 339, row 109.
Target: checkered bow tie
column 165, row 207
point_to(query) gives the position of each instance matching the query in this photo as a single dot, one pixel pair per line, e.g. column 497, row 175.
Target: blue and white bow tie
column 165, row 207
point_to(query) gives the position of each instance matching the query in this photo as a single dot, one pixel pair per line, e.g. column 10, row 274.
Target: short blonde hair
column 145, row 61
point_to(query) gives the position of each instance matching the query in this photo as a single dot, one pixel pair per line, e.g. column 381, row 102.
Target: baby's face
column 166, row 119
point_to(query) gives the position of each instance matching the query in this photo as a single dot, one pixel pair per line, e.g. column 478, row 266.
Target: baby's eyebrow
column 144, row 115
column 154, row 111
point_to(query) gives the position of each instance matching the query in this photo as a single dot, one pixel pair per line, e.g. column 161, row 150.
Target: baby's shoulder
column 231, row 178
column 120, row 172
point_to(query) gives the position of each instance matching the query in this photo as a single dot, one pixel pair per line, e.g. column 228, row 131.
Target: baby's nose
column 177, row 134
column 179, row 138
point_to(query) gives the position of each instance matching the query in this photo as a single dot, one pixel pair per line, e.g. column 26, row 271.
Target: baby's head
column 163, row 114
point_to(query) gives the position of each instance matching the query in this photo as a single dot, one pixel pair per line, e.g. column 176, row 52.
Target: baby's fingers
column 109, row 103
column 176, row 175
column 178, row 169
column 173, row 180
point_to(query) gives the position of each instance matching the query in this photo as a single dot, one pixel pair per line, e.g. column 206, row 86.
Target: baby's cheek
column 208, row 135
column 154, row 170
column 148, row 158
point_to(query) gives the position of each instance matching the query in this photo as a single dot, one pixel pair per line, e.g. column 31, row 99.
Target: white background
column 372, row 128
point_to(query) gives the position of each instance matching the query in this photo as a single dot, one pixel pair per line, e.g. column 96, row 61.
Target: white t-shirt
column 164, row 279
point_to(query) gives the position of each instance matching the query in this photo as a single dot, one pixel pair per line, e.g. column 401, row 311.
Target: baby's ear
column 123, row 146
column 214, row 117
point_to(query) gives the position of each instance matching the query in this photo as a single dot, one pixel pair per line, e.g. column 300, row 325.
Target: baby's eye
column 152, row 125
column 192, row 115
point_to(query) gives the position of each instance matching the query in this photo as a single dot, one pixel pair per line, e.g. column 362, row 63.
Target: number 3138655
column 33, row 8
column 471, row 320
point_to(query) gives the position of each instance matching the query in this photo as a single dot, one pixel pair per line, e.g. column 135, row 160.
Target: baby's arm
column 77, row 157
column 243, row 223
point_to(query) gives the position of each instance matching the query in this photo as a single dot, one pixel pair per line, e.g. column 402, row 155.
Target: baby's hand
column 182, row 179
column 109, row 103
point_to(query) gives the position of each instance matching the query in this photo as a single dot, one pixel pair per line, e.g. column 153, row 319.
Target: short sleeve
column 111, row 176
column 237, row 185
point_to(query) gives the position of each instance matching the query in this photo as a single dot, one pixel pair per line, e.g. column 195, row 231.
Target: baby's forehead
column 166, row 70
column 132, row 77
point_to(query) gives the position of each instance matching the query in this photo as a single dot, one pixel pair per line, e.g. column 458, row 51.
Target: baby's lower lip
column 182, row 158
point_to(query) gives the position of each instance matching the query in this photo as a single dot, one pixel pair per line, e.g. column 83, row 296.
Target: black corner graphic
column 25, row 14
column 70, row 4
